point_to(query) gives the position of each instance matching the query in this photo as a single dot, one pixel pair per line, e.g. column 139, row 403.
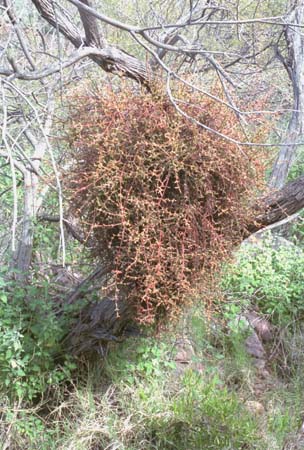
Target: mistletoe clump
column 162, row 199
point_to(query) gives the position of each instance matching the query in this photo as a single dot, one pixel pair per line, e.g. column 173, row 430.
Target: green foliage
column 205, row 336
column 194, row 411
column 139, row 400
column 297, row 231
column 270, row 279
column 285, row 411
column 205, row 415
column 30, row 334
column 221, row 342
column 150, row 406
column 30, row 431
column 297, row 169
column 145, row 360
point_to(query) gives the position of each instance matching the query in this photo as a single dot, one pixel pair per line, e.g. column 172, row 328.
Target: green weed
column 269, row 279
column 30, row 335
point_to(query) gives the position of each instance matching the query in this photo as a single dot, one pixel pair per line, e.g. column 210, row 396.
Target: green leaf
column 3, row 298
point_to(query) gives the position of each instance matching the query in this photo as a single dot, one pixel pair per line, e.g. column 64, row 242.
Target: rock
column 255, row 407
column 260, row 365
column 260, row 330
column 260, row 325
column 265, row 239
column 199, row 367
column 185, row 358
column 254, row 346
column 185, row 351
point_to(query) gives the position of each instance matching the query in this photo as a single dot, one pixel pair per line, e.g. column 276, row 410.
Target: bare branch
column 92, row 32
column 112, row 59
column 60, row 20
column 172, row 74
column 294, row 64
column 40, row 74
column 275, row 20
column 12, row 166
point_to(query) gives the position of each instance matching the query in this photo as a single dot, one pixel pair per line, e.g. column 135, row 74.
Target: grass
column 140, row 399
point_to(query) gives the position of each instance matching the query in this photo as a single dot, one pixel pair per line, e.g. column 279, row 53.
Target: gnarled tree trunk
column 294, row 65
column 112, row 58
column 278, row 205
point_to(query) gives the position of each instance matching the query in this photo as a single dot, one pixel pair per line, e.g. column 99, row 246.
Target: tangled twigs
column 161, row 198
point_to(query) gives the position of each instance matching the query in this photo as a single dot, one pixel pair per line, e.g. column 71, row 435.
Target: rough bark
column 59, row 20
column 113, row 59
column 294, row 65
column 278, row 205
column 100, row 322
column 71, row 227
column 92, row 32
column 23, row 255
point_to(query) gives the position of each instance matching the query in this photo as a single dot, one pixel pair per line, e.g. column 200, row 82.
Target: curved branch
column 275, row 20
column 280, row 204
column 75, row 57
column 59, row 20
column 109, row 58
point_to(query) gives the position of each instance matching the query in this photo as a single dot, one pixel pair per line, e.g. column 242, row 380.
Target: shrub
column 272, row 280
column 161, row 198
column 142, row 360
column 30, row 335
column 27, row 430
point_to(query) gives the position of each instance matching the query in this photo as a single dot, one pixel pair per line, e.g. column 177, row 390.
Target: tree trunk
column 100, row 322
column 278, row 205
column 23, row 255
column 295, row 68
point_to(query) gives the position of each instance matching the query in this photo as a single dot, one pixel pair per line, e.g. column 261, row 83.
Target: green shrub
column 163, row 411
column 272, row 280
column 297, row 231
column 171, row 409
column 29, row 431
column 30, row 334
column 145, row 360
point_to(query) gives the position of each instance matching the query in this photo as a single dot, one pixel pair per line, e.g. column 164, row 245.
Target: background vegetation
column 126, row 293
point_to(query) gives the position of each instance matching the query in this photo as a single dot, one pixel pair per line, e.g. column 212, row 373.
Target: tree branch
column 39, row 74
column 280, row 204
column 91, row 27
column 111, row 59
column 60, row 21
